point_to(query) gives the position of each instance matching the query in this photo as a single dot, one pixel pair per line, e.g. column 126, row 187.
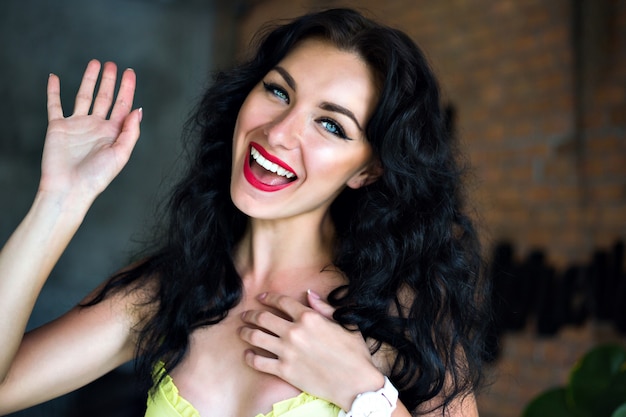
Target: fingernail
column 140, row 114
column 313, row 294
column 262, row 296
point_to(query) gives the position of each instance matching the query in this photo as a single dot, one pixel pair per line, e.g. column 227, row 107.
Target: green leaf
column 598, row 382
column 620, row 412
column 549, row 404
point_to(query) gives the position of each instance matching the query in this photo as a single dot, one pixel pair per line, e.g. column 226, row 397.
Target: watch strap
column 388, row 391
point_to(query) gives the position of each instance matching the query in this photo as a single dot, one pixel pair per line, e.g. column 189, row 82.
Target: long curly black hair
column 410, row 254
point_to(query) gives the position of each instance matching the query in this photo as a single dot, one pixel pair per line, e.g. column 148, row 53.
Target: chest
column 214, row 377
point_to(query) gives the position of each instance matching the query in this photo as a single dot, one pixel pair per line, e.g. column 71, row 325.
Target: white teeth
column 270, row 166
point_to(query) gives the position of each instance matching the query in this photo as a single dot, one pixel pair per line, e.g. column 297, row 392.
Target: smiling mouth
column 265, row 174
column 269, row 165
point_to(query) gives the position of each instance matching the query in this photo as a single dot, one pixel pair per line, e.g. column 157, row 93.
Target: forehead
column 323, row 53
column 318, row 64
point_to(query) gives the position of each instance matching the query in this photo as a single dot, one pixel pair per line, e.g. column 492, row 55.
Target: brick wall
column 539, row 91
column 529, row 365
column 549, row 172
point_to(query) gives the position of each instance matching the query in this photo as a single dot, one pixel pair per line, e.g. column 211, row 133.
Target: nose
column 285, row 129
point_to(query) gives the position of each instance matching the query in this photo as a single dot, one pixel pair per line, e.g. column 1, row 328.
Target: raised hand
column 312, row 352
column 82, row 154
column 85, row 151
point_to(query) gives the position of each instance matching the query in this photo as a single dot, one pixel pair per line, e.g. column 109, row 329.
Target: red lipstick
column 256, row 182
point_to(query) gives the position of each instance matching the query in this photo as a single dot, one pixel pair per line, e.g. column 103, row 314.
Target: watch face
column 371, row 404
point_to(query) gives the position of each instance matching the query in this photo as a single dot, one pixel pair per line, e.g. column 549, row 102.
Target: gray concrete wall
column 170, row 44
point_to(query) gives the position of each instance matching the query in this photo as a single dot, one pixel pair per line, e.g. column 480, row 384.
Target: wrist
column 61, row 204
column 378, row 403
column 56, row 215
column 371, row 381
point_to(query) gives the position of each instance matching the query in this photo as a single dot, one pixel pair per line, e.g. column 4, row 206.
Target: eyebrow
column 340, row 109
column 325, row 105
column 288, row 78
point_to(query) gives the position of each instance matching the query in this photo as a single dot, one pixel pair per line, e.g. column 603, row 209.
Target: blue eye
column 277, row 91
column 334, row 128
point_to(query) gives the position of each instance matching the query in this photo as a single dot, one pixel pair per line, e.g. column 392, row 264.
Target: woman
column 316, row 257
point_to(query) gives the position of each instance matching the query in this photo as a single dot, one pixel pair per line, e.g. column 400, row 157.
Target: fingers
column 292, row 307
column 129, row 135
column 319, row 305
column 263, row 319
column 260, row 339
column 106, row 92
column 55, row 111
column 125, row 95
column 104, row 99
column 262, row 363
column 262, row 331
column 271, row 338
column 87, row 86
column 271, row 332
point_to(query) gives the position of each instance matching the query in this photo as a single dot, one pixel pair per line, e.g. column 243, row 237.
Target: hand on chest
column 214, row 376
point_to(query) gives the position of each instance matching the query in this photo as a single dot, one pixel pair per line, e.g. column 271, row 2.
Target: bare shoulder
column 385, row 356
column 463, row 405
column 78, row 347
column 133, row 303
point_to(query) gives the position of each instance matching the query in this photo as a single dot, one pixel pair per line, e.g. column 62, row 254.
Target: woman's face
column 299, row 137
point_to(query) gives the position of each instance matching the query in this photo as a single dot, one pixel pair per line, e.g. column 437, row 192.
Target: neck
column 273, row 249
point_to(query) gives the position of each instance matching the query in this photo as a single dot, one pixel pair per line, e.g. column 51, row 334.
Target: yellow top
column 166, row 402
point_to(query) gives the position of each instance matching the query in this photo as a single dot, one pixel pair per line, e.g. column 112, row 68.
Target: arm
column 320, row 357
column 69, row 352
column 82, row 155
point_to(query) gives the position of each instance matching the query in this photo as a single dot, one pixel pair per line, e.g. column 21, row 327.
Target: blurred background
column 536, row 93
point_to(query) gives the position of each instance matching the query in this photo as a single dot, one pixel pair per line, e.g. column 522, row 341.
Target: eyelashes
column 277, row 91
column 328, row 124
column 333, row 127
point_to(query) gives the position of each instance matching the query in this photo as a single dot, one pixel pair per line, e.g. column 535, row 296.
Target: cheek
column 246, row 120
column 245, row 113
column 236, row 132
column 341, row 166
column 254, row 109
column 241, row 120
column 237, row 143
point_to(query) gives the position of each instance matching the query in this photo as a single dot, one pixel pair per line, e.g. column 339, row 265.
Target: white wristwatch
column 379, row 403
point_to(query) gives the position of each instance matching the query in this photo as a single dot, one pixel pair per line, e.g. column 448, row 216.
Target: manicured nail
column 262, row 296
column 313, row 294
column 140, row 114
